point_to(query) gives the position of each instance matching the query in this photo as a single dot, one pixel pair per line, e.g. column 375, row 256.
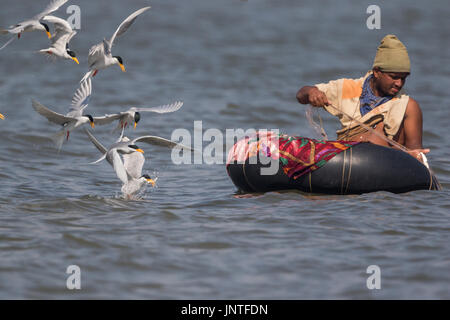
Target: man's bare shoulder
column 413, row 108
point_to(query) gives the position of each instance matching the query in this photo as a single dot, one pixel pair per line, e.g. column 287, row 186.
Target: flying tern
column 100, row 56
column 60, row 40
column 33, row 24
column 74, row 118
column 132, row 115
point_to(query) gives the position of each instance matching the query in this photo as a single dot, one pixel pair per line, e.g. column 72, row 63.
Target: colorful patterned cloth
column 297, row 155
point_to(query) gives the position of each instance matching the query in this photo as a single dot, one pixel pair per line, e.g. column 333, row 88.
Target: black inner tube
column 362, row 168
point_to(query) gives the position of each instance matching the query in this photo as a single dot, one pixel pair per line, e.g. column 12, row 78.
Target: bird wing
column 63, row 31
column 71, row 35
column 96, row 52
column 96, row 143
column 158, row 141
column 49, row 114
column 124, row 27
column 51, row 7
column 133, row 163
column 122, row 138
column 58, row 23
column 19, row 28
column 81, row 97
column 118, row 165
column 161, row 109
column 61, row 39
column 99, row 147
column 107, row 118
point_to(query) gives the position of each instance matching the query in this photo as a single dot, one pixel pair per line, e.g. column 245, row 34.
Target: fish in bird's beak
column 122, row 67
column 75, row 59
column 2, row 117
column 49, row 35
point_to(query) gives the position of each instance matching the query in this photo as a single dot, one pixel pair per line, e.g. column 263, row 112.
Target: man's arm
column 412, row 125
column 313, row 96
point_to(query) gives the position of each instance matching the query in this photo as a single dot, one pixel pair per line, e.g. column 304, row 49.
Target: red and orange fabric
column 297, row 155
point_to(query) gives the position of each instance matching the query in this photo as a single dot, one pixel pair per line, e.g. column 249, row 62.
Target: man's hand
column 317, row 98
column 313, row 96
column 416, row 153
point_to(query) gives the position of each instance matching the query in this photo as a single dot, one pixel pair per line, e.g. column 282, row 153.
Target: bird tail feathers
column 44, row 51
column 7, row 42
column 87, row 75
column 58, row 139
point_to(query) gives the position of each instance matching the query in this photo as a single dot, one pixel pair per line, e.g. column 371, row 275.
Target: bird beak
column 2, row 117
column 75, row 59
column 92, row 125
column 48, row 34
column 151, row 181
column 122, row 67
column 140, row 150
column 135, row 124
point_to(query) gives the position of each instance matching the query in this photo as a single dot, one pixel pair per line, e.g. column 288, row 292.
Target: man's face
column 389, row 83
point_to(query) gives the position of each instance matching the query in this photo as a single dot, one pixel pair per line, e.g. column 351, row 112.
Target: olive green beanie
column 392, row 55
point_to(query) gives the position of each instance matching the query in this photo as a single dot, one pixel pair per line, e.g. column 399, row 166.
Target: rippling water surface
column 235, row 64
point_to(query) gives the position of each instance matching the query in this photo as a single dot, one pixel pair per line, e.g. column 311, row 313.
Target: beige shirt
column 344, row 95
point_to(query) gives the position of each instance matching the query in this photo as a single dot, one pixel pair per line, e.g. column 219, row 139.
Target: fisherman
column 377, row 100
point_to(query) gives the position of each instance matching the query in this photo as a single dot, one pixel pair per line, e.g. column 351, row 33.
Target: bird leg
column 18, row 35
column 95, row 72
column 68, row 132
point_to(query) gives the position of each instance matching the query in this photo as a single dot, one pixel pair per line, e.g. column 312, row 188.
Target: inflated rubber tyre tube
column 362, row 168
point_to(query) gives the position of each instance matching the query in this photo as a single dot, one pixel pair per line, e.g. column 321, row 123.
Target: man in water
column 377, row 100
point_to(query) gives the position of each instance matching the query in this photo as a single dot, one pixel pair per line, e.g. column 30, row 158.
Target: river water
column 235, row 64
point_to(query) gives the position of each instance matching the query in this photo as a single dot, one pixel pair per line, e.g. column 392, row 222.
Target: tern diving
column 33, row 24
column 60, row 40
column 74, row 118
column 100, row 56
column 132, row 115
column 130, row 170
